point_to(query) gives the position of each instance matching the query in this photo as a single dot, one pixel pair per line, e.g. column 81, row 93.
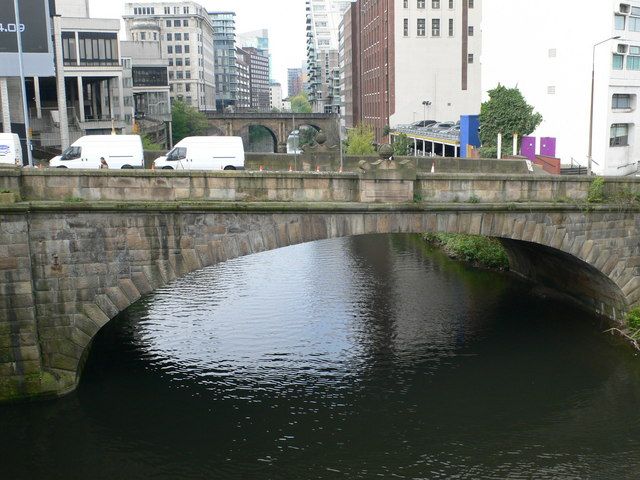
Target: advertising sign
column 35, row 30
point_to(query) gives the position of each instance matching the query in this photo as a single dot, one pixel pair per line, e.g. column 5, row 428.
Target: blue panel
column 469, row 133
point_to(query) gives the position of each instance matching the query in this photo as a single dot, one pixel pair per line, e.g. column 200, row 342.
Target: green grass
column 633, row 319
column 478, row 250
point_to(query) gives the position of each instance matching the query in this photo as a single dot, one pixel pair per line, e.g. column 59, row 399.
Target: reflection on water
column 367, row 357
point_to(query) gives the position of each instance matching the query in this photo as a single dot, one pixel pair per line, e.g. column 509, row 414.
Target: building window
column 185, row 23
column 551, row 90
column 187, row 74
column 470, row 58
column 405, row 4
column 171, row 62
column 186, row 37
column 187, row 61
column 169, row 49
column 98, row 48
column 168, row 23
column 619, row 135
column 167, row 10
column 470, row 31
column 421, row 3
column 185, row 10
column 187, row 49
column 618, row 61
column 170, row 75
column 621, row 101
column 187, row 87
column 451, row 31
column 633, row 63
column 421, row 27
column 406, row 27
column 178, row 62
column 169, row 37
column 435, row 4
column 177, row 37
column 179, row 74
column 435, row 27
column 69, row 48
column 450, row 4
column 178, row 48
column 176, row 23
column 634, row 24
column 471, row 3
column 620, row 22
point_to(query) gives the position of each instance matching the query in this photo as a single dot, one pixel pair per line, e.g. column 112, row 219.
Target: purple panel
column 528, row 148
column 548, row 147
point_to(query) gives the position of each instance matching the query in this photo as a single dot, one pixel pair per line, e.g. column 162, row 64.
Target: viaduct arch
column 279, row 124
column 68, row 271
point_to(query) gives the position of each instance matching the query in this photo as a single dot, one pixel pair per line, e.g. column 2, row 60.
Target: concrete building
column 243, row 65
column 86, row 96
column 323, row 68
column 258, row 79
column 413, row 59
column 275, row 95
column 185, row 32
column 258, row 39
column 146, row 89
column 224, row 49
column 294, row 82
column 552, row 68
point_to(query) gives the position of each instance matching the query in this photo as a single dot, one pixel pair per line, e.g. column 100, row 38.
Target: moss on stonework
column 36, row 385
column 476, row 249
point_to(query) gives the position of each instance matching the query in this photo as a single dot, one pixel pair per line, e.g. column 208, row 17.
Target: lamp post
column 425, row 104
column 593, row 81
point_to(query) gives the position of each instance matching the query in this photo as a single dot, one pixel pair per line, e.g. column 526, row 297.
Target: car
column 423, row 123
column 119, row 151
column 204, row 153
column 439, row 127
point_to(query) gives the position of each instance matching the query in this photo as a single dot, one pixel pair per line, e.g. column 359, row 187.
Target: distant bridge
column 279, row 125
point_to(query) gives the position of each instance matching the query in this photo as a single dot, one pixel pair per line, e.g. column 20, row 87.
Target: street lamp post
column 425, row 104
column 593, row 81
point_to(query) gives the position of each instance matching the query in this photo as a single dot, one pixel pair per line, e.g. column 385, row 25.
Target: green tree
column 187, row 121
column 307, row 135
column 360, row 141
column 150, row 145
column 300, row 104
column 401, row 145
column 505, row 112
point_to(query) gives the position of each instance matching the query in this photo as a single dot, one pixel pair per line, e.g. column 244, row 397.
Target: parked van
column 204, row 153
column 119, row 151
column 10, row 149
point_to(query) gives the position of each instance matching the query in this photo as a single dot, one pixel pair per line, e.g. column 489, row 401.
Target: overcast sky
column 285, row 20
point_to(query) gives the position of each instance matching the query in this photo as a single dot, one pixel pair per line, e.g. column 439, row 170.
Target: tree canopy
column 300, row 104
column 360, row 141
column 187, row 121
column 401, row 145
column 505, row 112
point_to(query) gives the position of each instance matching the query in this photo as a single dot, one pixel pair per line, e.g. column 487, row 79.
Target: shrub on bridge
column 476, row 249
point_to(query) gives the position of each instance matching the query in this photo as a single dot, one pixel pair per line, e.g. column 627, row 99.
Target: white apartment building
column 185, row 33
column 323, row 21
column 551, row 64
column 438, row 45
column 275, row 95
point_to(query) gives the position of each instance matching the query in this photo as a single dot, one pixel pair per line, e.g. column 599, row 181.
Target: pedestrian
column 103, row 163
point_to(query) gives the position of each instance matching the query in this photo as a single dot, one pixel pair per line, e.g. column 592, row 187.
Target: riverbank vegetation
column 475, row 249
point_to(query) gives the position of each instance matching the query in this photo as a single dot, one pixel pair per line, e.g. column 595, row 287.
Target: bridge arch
column 88, row 266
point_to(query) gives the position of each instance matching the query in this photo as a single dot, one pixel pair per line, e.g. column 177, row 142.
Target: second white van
column 119, row 151
column 204, row 153
column 10, row 149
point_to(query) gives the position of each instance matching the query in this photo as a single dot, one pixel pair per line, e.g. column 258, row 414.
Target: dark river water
column 361, row 358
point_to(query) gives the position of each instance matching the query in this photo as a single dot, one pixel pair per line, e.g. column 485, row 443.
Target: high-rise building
column 258, row 79
column 243, row 94
column 258, row 39
column 295, row 82
column 323, row 69
column 275, row 95
column 552, row 68
column 414, row 59
column 185, row 33
column 224, row 49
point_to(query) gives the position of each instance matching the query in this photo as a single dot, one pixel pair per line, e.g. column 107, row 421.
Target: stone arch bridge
column 279, row 125
column 69, row 266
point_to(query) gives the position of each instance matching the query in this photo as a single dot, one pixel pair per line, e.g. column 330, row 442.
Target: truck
column 10, row 150
column 119, row 152
column 204, row 153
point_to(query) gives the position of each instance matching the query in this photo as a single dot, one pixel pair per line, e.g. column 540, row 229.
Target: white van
column 119, row 151
column 204, row 153
column 10, row 149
